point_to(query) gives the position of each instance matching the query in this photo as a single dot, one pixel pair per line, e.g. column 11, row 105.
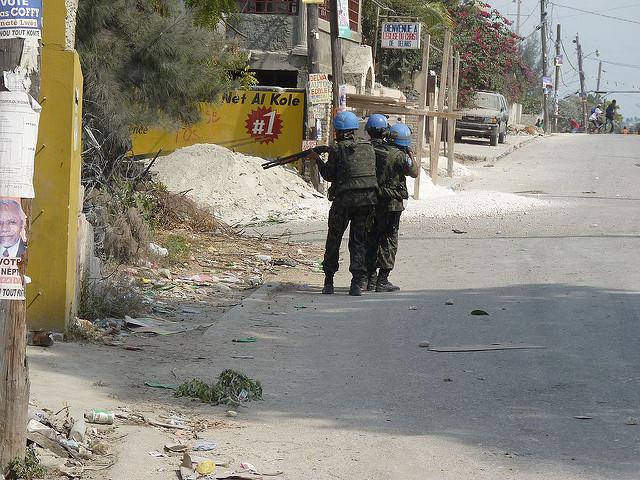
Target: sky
column 615, row 40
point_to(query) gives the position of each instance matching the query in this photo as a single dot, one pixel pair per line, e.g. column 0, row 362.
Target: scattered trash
column 160, row 327
column 448, row 302
column 231, row 413
column 103, row 417
column 287, row 262
column 40, row 339
column 583, row 417
column 424, row 344
column 263, row 258
column 176, row 448
column 167, row 386
column 204, row 446
column 248, row 467
column 478, row 312
column 232, row 388
column 165, row 272
column 78, row 431
column 458, row 232
column 157, row 454
column 206, row 468
column 485, row 348
column 631, row 421
column 158, row 250
column 193, row 311
column 245, row 340
column 413, row 308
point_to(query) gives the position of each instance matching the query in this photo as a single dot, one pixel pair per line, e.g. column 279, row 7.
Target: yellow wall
column 256, row 122
column 53, row 239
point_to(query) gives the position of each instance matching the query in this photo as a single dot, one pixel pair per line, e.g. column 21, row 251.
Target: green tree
column 491, row 59
column 147, row 63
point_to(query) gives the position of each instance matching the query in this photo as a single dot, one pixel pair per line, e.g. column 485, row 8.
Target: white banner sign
column 400, row 35
column 19, row 116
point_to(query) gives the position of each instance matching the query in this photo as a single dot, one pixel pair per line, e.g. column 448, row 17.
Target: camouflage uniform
column 351, row 171
column 391, row 168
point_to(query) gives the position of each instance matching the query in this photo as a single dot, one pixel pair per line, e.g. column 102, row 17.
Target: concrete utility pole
column 14, row 372
column 375, row 42
column 336, row 53
column 519, row 2
column 599, row 79
column 545, row 96
column 583, row 95
column 556, row 85
column 313, row 38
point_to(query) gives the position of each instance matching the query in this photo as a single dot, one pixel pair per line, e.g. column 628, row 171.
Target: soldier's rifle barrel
column 288, row 159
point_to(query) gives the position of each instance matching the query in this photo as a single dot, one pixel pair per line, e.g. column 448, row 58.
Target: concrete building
column 274, row 32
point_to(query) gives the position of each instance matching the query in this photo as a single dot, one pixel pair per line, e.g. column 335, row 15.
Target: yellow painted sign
column 257, row 122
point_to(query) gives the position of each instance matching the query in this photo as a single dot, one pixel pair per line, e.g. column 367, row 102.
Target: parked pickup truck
column 487, row 118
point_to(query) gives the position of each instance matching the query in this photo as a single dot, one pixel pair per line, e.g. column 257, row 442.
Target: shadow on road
column 354, row 365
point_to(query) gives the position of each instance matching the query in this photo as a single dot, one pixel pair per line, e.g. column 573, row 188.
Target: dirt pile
column 236, row 187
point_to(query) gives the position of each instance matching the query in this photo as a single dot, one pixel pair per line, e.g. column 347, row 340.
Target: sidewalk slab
column 478, row 150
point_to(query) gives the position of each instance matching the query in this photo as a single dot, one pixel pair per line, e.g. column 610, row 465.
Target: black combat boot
column 383, row 284
column 328, row 285
column 372, row 279
column 356, row 287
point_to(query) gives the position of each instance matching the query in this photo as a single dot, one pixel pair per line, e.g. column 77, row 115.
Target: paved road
column 350, row 395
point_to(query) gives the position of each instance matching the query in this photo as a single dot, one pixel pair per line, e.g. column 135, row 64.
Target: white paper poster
column 19, row 116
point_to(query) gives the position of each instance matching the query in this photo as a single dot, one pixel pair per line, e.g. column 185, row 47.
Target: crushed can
column 103, row 417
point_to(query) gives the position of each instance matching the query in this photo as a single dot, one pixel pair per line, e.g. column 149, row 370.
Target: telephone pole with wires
column 583, row 94
column 518, row 14
column 545, row 95
column 556, row 85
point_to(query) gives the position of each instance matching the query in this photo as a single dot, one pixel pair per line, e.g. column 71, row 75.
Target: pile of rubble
column 236, row 187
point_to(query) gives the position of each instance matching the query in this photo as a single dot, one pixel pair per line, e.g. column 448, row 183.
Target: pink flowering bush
column 489, row 52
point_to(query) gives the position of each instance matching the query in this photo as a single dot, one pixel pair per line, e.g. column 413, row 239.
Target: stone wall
column 270, row 33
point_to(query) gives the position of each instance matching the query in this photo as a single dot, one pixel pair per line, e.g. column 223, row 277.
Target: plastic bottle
column 103, row 417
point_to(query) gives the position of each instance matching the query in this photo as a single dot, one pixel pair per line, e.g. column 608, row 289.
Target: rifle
column 294, row 157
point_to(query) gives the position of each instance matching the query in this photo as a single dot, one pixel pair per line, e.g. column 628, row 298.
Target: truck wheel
column 458, row 138
column 493, row 139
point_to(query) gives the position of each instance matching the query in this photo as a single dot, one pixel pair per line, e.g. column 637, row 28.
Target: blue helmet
column 346, row 121
column 376, row 121
column 401, row 135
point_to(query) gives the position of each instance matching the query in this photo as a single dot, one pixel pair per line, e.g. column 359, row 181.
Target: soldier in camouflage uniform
column 351, row 169
column 393, row 164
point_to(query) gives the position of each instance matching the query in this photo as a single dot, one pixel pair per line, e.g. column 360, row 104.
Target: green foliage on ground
column 227, row 390
column 27, row 468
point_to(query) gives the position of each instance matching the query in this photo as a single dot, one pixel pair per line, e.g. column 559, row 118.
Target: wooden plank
column 435, row 143
column 420, row 147
column 373, row 99
column 451, row 125
column 485, row 348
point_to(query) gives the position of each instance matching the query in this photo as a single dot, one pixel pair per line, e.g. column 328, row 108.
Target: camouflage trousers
column 382, row 242
column 340, row 216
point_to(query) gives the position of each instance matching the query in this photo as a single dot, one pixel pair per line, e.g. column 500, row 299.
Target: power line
column 597, row 14
column 601, row 11
column 617, row 64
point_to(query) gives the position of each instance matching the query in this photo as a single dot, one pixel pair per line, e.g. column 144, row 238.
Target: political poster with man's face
column 13, row 246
